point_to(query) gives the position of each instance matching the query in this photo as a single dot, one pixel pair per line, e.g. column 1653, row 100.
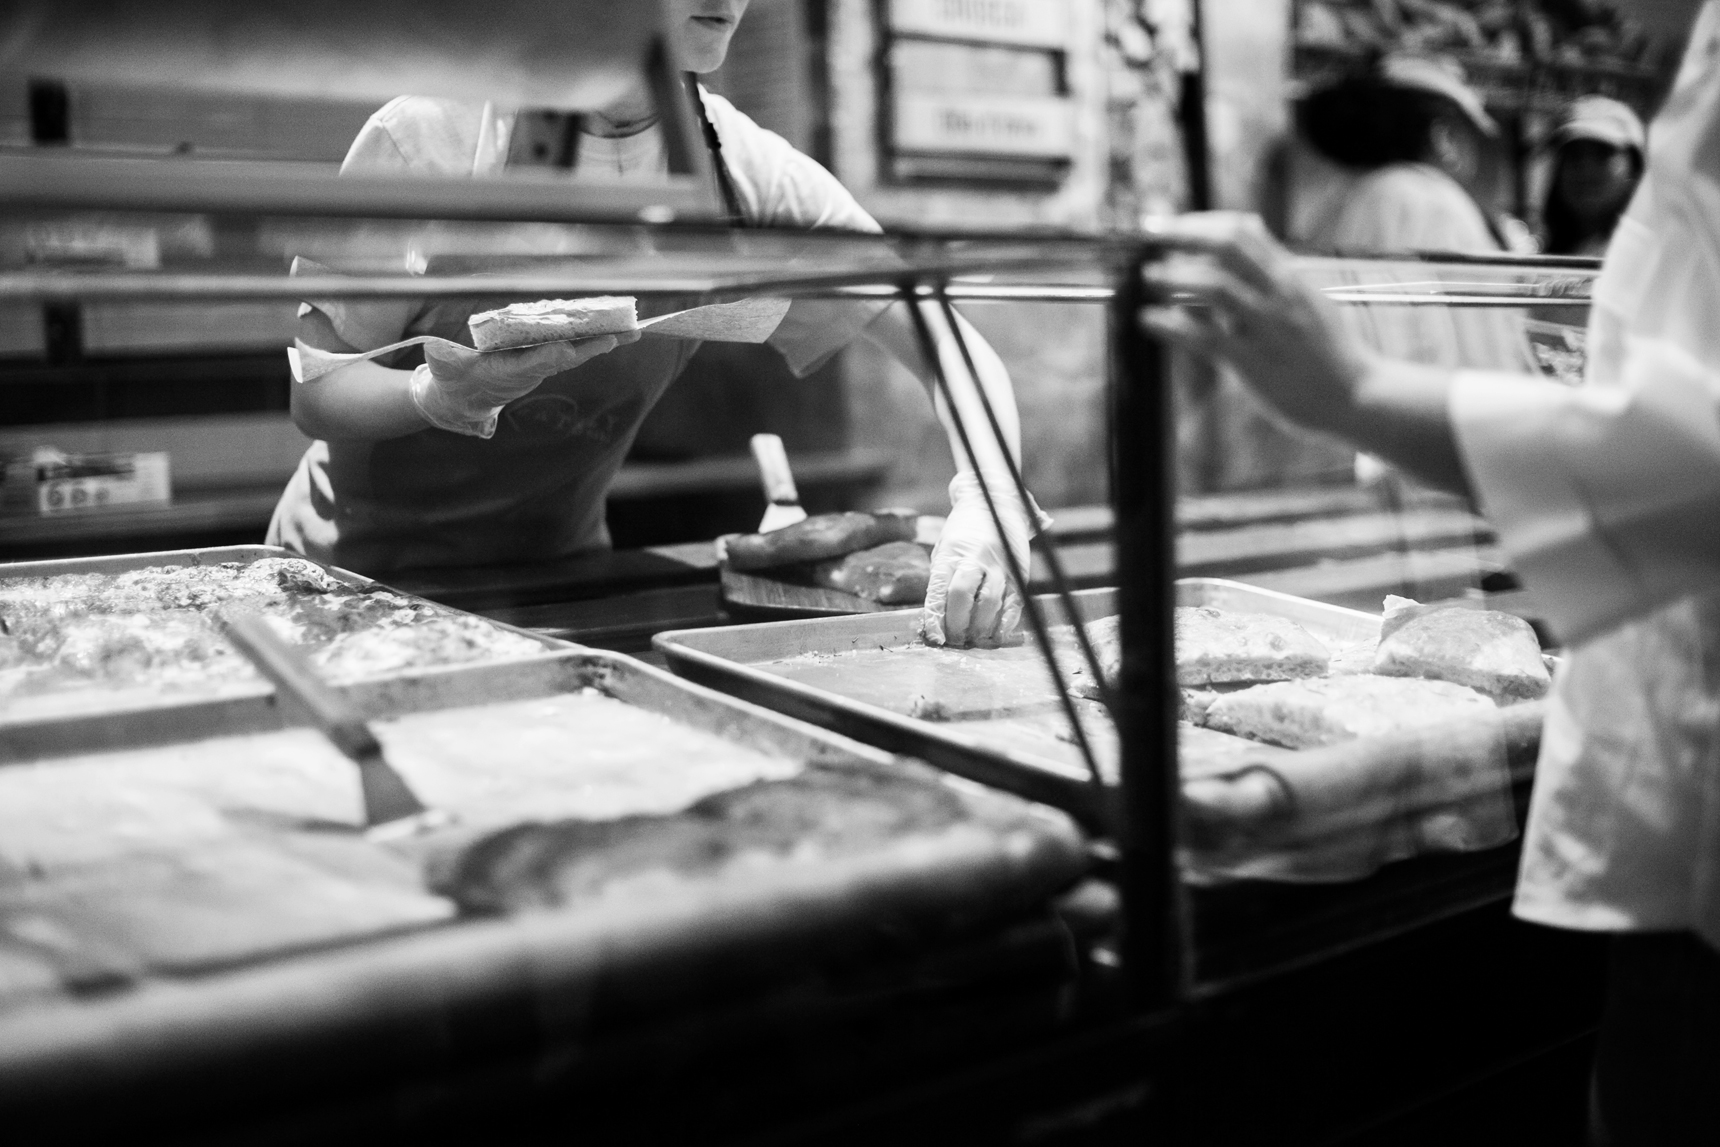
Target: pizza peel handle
column 783, row 499
column 390, row 806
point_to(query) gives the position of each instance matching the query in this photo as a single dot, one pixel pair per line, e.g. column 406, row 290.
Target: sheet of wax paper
column 747, row 321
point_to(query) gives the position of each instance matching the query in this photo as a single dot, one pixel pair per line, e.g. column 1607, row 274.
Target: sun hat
column 1440, row 77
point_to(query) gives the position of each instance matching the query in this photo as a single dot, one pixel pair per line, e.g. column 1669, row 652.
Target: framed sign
column 1021, row 23
column 976, row 91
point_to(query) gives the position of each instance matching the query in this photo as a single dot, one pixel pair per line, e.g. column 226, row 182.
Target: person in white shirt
column 421, row 460
column 1607, row 498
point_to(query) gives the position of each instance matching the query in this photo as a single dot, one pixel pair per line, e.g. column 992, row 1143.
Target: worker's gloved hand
column 463, row 390
column 970, row 599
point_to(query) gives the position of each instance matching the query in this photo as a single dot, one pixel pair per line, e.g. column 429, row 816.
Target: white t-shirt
column 777, row 186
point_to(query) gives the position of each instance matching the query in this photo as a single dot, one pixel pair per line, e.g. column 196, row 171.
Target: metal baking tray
column 99, row 701
column 553, row 968
column 1041, row 769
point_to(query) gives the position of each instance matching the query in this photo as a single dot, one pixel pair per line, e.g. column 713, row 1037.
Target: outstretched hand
column 461, row 389
column 1228, row 291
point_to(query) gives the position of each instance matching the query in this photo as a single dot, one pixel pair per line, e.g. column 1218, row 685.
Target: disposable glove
column 462, row 390
column 970, row 599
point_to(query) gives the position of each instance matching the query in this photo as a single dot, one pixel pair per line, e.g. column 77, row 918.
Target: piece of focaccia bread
column 1217, row 647
column 1484, row 649
column 551, row 320
column 1107, row 642
column 895, row 573
column 818, row 538
column 1326, row 710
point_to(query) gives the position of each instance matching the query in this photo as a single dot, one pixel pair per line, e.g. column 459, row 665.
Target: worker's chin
column 704, row 44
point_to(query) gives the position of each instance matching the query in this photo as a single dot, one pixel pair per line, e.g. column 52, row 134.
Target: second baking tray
column 1039, row 767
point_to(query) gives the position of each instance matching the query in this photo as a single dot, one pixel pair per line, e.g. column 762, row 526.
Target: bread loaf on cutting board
column 818, row 538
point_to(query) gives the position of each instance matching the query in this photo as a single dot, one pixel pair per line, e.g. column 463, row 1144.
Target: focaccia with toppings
column 1220, row 647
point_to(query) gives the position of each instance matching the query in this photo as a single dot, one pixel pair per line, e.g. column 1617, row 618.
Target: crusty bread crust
column 1484, row 649
column 552, row 320
column 1327, row 710
column 1217, row 646
column 818, row 538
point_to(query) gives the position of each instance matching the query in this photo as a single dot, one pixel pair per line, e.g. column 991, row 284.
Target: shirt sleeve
column 1606, row 498
column 367, row 324
column 779, row 186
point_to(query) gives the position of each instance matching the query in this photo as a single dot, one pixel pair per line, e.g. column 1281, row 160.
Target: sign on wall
column 975, row 90
column 1023, row 23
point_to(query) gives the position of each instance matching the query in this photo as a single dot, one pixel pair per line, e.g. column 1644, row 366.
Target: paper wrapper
column 748, row 321
column 1341, row 812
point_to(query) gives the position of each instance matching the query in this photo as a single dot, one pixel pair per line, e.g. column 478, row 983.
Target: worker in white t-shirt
column 1607, row 497
column 423, row 462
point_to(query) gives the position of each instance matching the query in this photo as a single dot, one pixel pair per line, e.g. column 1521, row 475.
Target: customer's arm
column 1607, row 498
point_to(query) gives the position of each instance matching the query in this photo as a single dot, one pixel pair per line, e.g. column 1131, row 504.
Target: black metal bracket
column 1143, row 493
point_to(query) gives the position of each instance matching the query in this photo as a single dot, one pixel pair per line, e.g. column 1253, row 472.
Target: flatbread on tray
column 67, row 639
column 1327, row 710
column 1486, row 649
column 895, row 573
column 1218, row 646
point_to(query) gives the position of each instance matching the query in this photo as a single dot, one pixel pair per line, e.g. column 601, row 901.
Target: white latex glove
column 970, row 599
column 462, row 390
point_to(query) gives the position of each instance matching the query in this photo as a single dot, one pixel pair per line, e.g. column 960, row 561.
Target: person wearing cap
column 1597, row 161
column 448, row 458
column 1607, row 498
column 1417, row 134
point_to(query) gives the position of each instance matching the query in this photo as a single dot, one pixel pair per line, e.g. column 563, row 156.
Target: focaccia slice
column 551, row 320
column 895, row 573
column 1327, row 710
column 818, row 538
column 1219, row 647
column 1484, row 649
column 1107, row 642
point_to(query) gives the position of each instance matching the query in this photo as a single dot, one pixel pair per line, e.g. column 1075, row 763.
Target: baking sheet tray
column 73, row 702
column 569, row 965
column 1018, row 756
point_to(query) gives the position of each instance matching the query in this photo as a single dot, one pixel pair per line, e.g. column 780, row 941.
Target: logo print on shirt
column 556, row 416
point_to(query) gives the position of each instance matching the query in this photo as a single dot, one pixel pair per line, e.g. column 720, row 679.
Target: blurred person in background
column 1418, row 136
column 1597, row 161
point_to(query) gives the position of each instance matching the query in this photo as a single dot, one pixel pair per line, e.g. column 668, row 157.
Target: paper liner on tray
column 746, row 321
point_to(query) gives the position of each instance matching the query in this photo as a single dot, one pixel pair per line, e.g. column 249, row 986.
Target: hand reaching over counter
column 1229, row 291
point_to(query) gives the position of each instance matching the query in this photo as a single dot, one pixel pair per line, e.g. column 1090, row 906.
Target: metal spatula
column 391, row 808
column 784, row 508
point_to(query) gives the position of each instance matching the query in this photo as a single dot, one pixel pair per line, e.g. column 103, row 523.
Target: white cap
column 1603, row 120
column 1441, row 77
